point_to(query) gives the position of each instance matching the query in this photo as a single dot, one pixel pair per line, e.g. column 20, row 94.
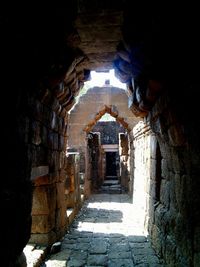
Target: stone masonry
column 47, row 54
column 107, row 232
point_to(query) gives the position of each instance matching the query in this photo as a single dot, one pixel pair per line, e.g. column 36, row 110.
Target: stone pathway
column 106, row 232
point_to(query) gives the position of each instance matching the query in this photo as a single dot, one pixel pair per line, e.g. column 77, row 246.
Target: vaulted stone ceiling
column 99, row 26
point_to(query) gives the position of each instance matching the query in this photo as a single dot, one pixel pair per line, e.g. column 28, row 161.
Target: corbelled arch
column 112, row 110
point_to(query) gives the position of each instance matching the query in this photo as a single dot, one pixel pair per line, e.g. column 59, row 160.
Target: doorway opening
column 111, row 164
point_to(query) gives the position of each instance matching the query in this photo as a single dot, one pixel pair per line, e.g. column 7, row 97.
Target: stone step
column 112, row 189
column 111, row 178
column 110, row 182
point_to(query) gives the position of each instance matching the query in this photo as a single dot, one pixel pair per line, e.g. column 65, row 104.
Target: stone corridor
column 108, row 231
column 56, row 149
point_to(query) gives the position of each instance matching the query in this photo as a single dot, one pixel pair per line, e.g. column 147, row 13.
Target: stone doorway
column 111, row 163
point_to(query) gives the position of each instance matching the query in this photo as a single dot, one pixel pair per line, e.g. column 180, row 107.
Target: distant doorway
column 111, row 166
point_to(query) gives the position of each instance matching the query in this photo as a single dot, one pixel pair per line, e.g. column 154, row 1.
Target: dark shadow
column 111, row 168
column 102, row 215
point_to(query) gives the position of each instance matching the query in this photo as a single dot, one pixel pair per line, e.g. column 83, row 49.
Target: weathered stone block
column 165, row 167
column 176, row 135
column 158, row 126
column 43, row 239
column 39, row 171
column 161, row 220
column 170, row 251
column 152, row 189
column 153, row 163
column 44, row 200
column 43, row 223
column 61, row 217
column 60, row 188
column 151, row 211
column 153, row 146
column 44, row 180
column 71, row 199
column 165, row 193
column 157, row 238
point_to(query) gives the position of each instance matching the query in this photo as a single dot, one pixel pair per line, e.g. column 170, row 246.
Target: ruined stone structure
column 111, row 155
column 85, row 114
column 84, row 118
column 46, row 56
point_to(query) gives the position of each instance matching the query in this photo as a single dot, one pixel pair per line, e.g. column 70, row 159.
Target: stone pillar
column 141, row 157
column 72, row 186
column 124, row 161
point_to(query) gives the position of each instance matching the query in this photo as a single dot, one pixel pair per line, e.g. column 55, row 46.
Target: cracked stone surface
column 107, row 232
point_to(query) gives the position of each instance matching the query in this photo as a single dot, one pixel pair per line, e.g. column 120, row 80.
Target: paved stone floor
column 107, row 232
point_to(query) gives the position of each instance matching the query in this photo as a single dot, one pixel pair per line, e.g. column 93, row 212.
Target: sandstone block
column 44, row 200
column 43, row 223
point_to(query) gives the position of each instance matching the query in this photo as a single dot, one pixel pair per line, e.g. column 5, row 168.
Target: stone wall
column 47, row 143
column 165, row 182
column 140, row 169
column 92, row 106
column 109, row 131
column 176, row 223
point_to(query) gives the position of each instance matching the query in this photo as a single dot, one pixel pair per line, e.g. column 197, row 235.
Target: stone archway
column 92, row 106
column 113, row 160
column 112, row 110
column 87, row 112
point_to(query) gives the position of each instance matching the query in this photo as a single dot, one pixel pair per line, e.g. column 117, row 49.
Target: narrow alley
column 106, row 232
